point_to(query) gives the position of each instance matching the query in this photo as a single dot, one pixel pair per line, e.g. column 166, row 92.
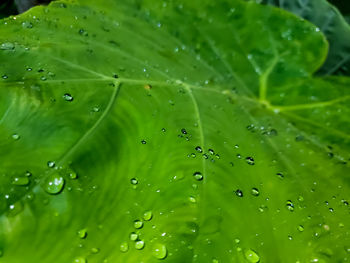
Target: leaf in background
column 331, row 23
column 187, row 131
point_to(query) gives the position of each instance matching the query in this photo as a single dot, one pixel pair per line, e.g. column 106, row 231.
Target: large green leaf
column 331, row 23
column 201, row 119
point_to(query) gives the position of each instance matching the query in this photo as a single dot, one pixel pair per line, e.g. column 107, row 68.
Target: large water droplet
column 138, row 224
column 133, row 236
column 20, row 180
column 159, row 251
column 140, row 244
column 251, row 256
column 147, row 215
column 54, row 184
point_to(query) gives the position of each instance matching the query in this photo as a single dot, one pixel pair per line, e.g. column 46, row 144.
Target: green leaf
column 331, row 23
column 188, row 131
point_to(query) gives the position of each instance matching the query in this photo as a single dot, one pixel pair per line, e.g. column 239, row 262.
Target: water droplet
column 198, row 176
column 163, row 130
column 183, row 131
column 198, row 149
column 27, row 24
column 54, row 184
column 15, row 136
column 83, row 32
column 290, row 205
column 143, row 142
column 205, row 156
column 251, row 256
column 133, row 236
column 15, row 208
column 138, row 224
column 192, row 199
column 250, row 160
column 5, row 77
column 140, row 244
column 68, row 97
column 211, row 151
column 72, row 174
column 280, row 175
column 255, row 191
column 95, row 250
column 239, row 193
column 20, row 180
column 82, row 233
column 300, row 228
column 51, row 164
column 215, row 260
column 159, row 251
column 7, row 46
column 134, row 181
column 80, row 260
column 124, row 247
column 147, row 216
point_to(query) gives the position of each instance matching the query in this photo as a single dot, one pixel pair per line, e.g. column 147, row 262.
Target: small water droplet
column 51, row 164
column 251, row 256
column 250, row 160
column 211, row 151
column 27, row 24
column 82, row 233
column 147, row 216
column 20, row 180
column 143, row 142
column 80, row 260
column 280, row 175
column 163, row 130
column 124, row 247
column 7, row 46
column 95, row 250
column 198, row 176
column 133, row 236
column 15, row 136
column 83, row 32
column 134, row 181
column 138, row 224
column 198, row 149
column 255, row 191
column 54, row 184
column 239, row 193
column 5, row 77
column 192, row 199
column 290, row 205
column 183, row 131
column 300, row 228
column 140, row 244
column 159, row 251
column 68, row 97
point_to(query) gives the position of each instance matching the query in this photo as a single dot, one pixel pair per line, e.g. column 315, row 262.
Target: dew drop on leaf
column 54, row 184
column 124, row 247
column 133, row 236
column 300, row 228
column 143, row 142
column 290, row 205
column 250, row 160
column 251, row 256
column 198, row 176
column 183, row 131
column 15, row 136
column 198, row 149
column 159, row 251
column 134, row 181
column 140, row 244
column 80, row 260
column 82, row 233
column 4, row 76
column 20, row 180
column 255, row 191
column 51, row 164
column 7, row 46
column 239, row 193
column 147, row 216
column 27, row 24
column 138, row 224
column 68, row 97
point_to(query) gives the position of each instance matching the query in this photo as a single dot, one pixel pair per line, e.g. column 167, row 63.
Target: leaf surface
column 197, row 129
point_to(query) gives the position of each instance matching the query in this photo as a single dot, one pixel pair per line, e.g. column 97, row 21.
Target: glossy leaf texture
column 331, row 23
column 182, row 131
